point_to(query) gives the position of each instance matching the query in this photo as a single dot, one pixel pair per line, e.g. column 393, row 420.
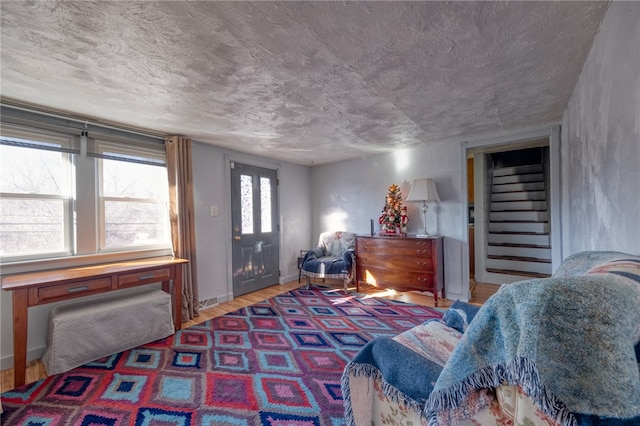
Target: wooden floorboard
column 479, row 294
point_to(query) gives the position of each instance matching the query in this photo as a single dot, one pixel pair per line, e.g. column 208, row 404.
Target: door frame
column 552, row 132
column 251, row 161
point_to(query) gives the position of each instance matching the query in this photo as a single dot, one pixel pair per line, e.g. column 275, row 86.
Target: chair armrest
column 313, row 254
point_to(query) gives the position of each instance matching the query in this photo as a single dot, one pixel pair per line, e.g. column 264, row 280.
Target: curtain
column 182, row 216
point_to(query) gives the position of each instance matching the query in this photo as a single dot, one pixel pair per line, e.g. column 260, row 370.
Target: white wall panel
column 601, row 141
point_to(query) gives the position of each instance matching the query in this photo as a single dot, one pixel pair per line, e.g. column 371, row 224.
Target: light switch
column 214, row 211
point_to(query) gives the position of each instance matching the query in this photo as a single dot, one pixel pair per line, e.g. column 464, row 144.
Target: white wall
column 295, row 218
column 601, row 141
column 209, row 189
column 347, row 195
column 213, row 236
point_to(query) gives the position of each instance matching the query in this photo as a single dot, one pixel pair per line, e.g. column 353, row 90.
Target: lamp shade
column 423, row 191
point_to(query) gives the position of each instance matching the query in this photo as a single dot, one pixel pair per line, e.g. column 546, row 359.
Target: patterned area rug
column 275, row 363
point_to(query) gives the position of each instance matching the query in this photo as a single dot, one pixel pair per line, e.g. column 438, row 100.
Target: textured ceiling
column 303, row 82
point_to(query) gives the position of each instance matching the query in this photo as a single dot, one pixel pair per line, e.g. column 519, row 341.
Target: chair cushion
column 324, row 266
column 336, row 243
column 333, row 258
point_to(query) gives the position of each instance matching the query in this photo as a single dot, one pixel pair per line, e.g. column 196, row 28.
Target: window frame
column 83, row 240
column 45, row 140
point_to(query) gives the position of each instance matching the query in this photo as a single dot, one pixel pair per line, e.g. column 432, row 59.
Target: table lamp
column 423, row 191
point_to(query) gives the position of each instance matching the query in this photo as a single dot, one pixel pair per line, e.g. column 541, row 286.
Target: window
column 265, row 204
column 133, row 198
column 35, row 193
column 246, row 190
column 58, row 203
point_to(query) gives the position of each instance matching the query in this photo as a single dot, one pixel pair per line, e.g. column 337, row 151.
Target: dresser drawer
column 144, row 277
column 396, row 246
column 403, row 251
column 395, row 261
column 397, row 279
column 40, row 295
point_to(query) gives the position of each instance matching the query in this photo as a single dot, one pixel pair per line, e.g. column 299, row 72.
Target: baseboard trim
column 32, row 354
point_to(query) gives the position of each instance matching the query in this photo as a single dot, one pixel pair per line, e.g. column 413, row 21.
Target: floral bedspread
column 373, row 404
column 511, row 406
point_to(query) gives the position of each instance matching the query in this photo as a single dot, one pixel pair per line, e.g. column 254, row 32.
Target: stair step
column 520, row 244
column 517, row 170
column 519, row 216
column 518, row 205
column 523, row 264
column 519, row 259
column 519, row 196
column 521, row 251
column 520, row 273
column 533, row 177
column 530, row 238
column 518, row 187
column 519, row 227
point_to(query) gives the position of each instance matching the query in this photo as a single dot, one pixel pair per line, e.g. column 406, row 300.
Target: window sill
column 19, row 267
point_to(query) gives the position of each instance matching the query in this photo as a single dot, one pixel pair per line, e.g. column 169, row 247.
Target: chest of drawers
column 401, row 263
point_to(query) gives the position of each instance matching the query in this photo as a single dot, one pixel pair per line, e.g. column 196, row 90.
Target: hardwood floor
column 479, row 294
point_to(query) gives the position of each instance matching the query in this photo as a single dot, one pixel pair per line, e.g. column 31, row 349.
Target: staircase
column 518, row 242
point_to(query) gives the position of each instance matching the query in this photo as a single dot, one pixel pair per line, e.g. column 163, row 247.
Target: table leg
column 20, row 322
column 177, row 297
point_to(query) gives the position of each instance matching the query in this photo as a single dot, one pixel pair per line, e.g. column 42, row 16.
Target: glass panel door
column 255, row 231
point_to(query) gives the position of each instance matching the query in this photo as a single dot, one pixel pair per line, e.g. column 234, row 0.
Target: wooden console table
column 39, row 288
column 401, row 263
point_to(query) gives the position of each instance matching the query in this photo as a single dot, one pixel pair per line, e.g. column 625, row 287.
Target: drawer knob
column 78, row 289
column 145, row 277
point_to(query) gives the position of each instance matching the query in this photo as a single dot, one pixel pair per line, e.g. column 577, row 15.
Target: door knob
column 236, row 238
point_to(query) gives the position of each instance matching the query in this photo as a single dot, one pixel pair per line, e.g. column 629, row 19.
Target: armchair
column 333, row 258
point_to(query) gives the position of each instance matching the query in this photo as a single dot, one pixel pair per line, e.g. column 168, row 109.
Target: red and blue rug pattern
column 275, row 363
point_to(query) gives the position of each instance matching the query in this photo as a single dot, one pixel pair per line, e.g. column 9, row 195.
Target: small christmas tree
column 391, row 216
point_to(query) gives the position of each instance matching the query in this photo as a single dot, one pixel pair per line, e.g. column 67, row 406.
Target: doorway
column 255, row 228
column 513, row 187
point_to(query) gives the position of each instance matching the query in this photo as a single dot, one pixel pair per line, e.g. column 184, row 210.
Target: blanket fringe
column 368, row 370
column 520, row 371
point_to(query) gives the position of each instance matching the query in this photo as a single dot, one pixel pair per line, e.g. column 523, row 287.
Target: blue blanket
column 318, row 264
column 567, row 341
column 396, row 366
